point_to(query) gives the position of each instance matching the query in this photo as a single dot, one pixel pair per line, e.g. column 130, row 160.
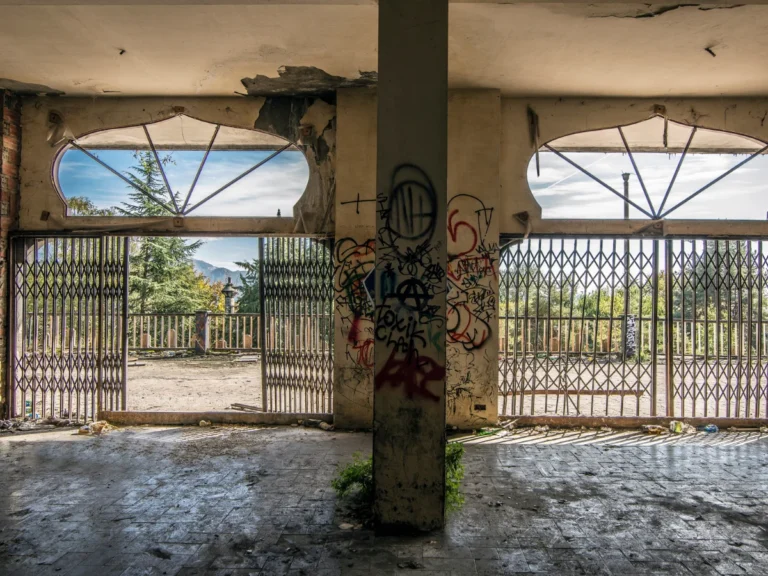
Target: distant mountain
column 217, row 273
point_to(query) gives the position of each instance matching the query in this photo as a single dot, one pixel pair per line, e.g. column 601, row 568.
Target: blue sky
column 225, row 252
column 278, row 184
column 275, row 185
column 564, row 192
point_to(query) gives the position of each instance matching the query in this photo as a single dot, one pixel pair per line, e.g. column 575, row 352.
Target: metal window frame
column 173, row 208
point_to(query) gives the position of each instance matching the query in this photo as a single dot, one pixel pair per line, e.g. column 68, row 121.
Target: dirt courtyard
column 194, row 384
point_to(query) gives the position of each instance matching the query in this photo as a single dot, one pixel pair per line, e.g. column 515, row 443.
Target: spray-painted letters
column 353, row 264
column 472, row 298
column 410, row 279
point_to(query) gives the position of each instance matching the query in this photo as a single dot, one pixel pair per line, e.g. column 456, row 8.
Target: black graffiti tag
column 412, row 204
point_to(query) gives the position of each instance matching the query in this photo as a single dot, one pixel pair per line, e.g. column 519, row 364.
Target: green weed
column 355, row 480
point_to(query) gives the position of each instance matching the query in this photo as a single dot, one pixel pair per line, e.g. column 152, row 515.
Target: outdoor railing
column 161, row 331
column 182, row 331
column 234, row 331
column 606, row 336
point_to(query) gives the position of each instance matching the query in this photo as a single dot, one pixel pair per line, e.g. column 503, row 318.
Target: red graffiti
column 464, row 327
column 363, row 346
column 468, row 241
column 413, row 372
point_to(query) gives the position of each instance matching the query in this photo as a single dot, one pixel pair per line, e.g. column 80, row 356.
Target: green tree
column 249, row 299
column 162, row 278
column 82, row 206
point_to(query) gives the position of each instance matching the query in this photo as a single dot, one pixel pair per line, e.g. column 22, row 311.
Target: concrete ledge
column 217, row 417
column 628, row 421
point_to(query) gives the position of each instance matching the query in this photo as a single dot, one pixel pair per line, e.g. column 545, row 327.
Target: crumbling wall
column 474, row 137
column 311, row 123
column 10, row 158
column 354, row 259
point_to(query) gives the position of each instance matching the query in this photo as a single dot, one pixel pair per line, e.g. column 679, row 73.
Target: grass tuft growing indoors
column 355, row 481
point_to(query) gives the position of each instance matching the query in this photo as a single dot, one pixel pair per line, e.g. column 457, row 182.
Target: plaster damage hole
column 303, row 80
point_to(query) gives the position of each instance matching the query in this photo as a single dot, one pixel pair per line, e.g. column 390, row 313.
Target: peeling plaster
column 304, row 80
column 28, row 88
column 311, row 124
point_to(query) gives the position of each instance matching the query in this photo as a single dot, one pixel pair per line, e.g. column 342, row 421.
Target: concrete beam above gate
column 410, row 299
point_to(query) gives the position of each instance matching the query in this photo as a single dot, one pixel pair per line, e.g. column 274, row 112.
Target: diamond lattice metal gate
column 297, row 326
column 572, row 344
column 67, row 326
column 562, row 320
column 717, row 351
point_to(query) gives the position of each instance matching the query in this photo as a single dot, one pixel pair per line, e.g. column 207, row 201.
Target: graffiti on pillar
column 471, row 272
column 630, row 347
column 410, row 278
column 353, row 262
column 472, row 302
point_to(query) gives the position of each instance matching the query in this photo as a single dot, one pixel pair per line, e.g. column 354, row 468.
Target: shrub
column 356, row 478
column 454, row 474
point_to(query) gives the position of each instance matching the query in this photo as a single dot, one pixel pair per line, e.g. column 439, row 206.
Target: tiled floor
column 240, row 501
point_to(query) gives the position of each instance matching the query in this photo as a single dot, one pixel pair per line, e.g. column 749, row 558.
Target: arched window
column 180, row 167
column 653, row 169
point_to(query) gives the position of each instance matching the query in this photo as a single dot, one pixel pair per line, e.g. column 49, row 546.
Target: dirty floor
column 244, row 501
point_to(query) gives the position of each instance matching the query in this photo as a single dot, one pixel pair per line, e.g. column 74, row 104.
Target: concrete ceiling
column 568, row 49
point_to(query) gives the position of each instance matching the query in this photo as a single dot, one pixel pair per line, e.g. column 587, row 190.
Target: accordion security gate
column 297, row 324
column 68, row 344
column 571, row 344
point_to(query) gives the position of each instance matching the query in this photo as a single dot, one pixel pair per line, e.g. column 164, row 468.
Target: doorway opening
column 146, row 324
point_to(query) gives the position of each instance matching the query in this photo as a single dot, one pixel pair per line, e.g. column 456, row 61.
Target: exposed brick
column 10, row 160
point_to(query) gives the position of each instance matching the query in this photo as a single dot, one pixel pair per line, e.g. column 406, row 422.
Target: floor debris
column 654, row 429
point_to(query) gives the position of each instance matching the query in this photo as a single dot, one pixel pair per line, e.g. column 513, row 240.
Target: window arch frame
column 174, row 211
column 654, row 215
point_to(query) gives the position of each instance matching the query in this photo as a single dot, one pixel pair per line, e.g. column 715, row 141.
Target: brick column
column 10, row 160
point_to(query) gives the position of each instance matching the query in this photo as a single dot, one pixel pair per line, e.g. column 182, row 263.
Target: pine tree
column 162, row 278
column 249, row 300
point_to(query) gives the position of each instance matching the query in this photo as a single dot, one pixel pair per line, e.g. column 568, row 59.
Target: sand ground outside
column 216, row 382
column 194, row 384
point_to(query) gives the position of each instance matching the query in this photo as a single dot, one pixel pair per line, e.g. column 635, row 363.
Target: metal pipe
column 160, row 167
column 122, row 177
column 715, row 181
column 677, row 170
column 637, row 172
column 200, row 168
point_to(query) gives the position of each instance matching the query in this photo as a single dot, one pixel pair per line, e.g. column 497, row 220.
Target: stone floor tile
column 261, row 504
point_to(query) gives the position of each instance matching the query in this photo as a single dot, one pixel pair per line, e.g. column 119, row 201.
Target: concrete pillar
column 410, row 287
column 354, row 257
column 474, row 142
